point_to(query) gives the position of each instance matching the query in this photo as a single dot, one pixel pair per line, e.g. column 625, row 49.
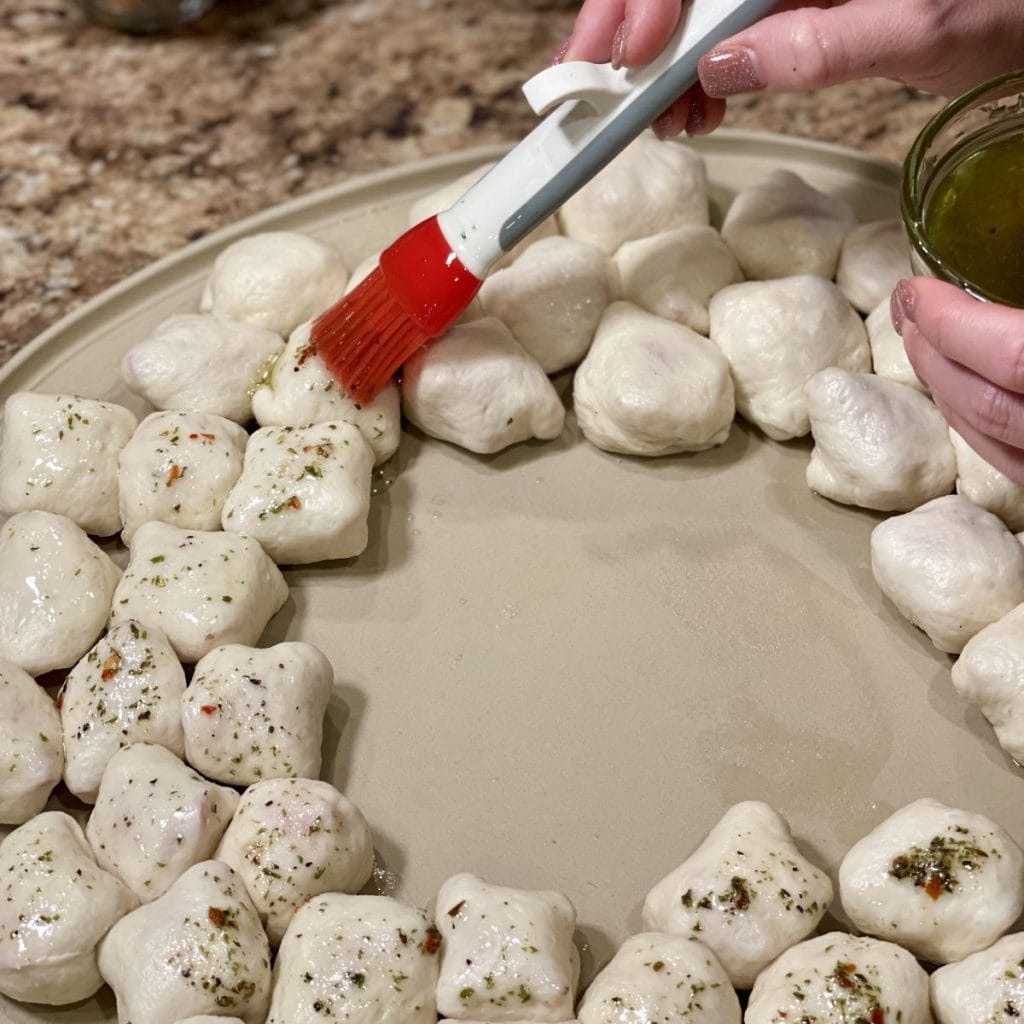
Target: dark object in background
column 145, row 16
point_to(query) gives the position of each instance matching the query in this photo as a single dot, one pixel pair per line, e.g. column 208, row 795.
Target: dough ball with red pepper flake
column 660, row 977
column 59, row 454
column 940, row 881
column 360, row 958
column 839, row 977
column 178, row 468
column 154, row 818
column 507, row 954
column 197, row 950
column 747, row 892
column 986, row 986
column 127, row 689
column 255, row 714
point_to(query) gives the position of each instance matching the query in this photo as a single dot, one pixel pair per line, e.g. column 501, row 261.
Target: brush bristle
column 366, row 337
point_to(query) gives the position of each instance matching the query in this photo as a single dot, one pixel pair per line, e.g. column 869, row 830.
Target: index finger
column 632, row 32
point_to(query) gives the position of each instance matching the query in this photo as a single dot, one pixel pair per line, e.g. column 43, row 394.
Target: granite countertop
column 117, row 150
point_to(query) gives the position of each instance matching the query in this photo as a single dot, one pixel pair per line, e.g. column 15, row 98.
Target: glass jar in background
column 963, row 193
column 145, row 16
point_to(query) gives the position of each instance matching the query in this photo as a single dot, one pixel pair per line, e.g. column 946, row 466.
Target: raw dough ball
column 552, row 299
column 950, row 568
column 776, row 336
column 154, row 818
column 59, row 454
column 197, row 363
column 55, row 906
column 877, row 444
column 670, row 979
column 362, row 272
column 201, row 589
column 873, row 260
column 652, row 387
column 503, row 949
column 54, row 592
column 254, row 714
column 477, row 387
column 651, row 186
column 126, row 690
column 888, row 353
column 178, row 468
column 837, row 978
column 205, row 1018
column 300, row 391
column 746, row 892
column 292, row 839
column 32, row 757
column 304, row 493
column 987, row 986
column 275, row 280
column 986, row 486
column 675, row 274
column 369, row 957
column 990, row 673
column 783, row 227
column 942, row 882
column 199, row 949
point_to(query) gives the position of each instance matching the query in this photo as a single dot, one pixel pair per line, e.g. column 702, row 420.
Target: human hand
column 971, row 355
column 941, row 46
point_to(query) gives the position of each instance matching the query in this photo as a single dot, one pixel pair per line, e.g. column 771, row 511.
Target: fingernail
column 907, row 300
column 619, row 47
column 696, row 120
column 663, row 125
column 560, row 53
column 730, row 71
column 896, row 313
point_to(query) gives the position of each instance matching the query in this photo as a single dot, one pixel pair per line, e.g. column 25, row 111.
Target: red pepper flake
column 432, row 942
column 842, row 975
column 111, row 666
column 933, row 887
column 176, row 473
column 323, row 450
column 205, row 437
column 295, row 502
column 60, row 700
column 877, row 1016
column 209, row 709
column 217, row 917
column 306, row 353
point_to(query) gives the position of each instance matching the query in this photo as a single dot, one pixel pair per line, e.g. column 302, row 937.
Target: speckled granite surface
column 116, row 150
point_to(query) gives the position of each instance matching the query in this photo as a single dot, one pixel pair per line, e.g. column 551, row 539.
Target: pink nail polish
column 907, row 300
column 663, row 125
column 696, row 120
column 896, row 312
column 560, row 53
column 619, row 47
column 730, row 71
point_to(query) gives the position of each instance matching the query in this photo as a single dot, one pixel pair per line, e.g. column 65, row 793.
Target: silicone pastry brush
column 427, row 278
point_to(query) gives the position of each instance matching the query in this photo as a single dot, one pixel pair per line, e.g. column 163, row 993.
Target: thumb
column 809, row 48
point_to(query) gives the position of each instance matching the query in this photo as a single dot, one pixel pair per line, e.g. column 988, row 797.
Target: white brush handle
column 600, row 111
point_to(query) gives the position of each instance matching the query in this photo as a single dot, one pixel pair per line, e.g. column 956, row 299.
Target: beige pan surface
column 557, row 668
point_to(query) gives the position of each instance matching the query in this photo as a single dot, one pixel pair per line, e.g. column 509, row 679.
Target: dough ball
column 59, row 454
column 275, row 280
column 652, row 387
column 201, row 589
column 552, row 299
column 478, row 388
column 837, row 978
column 877, row 444
column 675, row 274
column 154, row 818
column 369, row 957
column 293, row 839
column 950, row 568
column 33, row 758
column 888, row 353
column 205, row 1018
column 651, row 186
column 783, row 227
column 178, row 468
column 664, row 978
column 126, row 690
column 362, row 272
column 990, row 673
column 746, row 892
column 301, row 391
column 55, row 591
column 304, row 493
column 986, row 486
column 873, row 260
column 197, row 363
column 942, row 882
column 55, row 906
column 503, row 949
column 776, row 336
column 986, row 986
column 253, row 714
column 199, row 949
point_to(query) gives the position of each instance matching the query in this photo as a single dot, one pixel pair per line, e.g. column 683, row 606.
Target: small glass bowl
column 991, row 111
column 145, row 16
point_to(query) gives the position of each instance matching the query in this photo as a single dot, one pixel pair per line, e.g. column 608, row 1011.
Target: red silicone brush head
column 419, row 290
